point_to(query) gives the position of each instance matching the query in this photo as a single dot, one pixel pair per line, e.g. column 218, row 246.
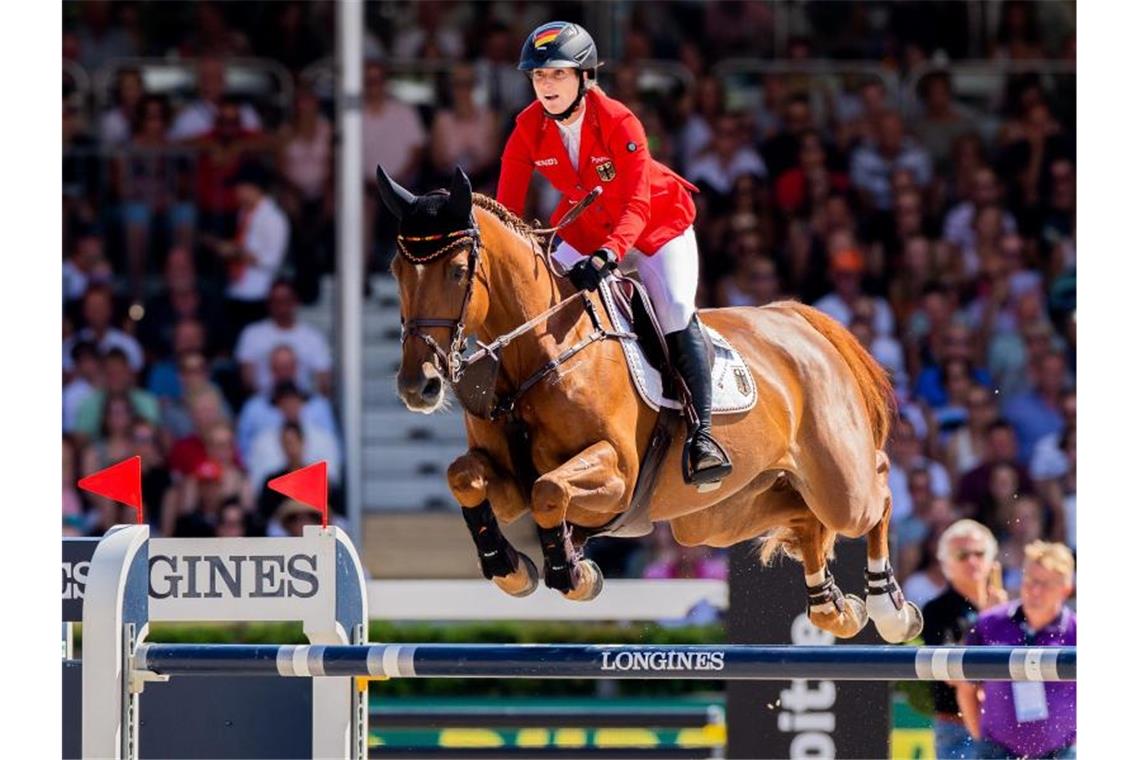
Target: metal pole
column 350, row 252
column 686, row 662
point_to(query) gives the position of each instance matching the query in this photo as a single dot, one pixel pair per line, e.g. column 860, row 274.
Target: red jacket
column 644, row 204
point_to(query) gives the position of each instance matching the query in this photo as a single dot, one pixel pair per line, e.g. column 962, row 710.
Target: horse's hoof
column 590, row 582
column 856, row 614
column 916, row 622
column 523, row 581
column 898, row 626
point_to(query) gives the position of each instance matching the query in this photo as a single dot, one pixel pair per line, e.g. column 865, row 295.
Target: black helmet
column 559, row 45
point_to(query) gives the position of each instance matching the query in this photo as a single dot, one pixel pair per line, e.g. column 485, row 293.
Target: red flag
column 308, row 485
column 120, row 482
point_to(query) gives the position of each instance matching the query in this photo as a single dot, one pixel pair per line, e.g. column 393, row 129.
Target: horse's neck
column 521, row 286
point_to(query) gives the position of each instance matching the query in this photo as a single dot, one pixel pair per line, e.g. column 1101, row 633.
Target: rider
column 579, row 138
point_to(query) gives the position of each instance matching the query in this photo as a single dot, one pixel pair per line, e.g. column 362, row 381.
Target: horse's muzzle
column 421, row 391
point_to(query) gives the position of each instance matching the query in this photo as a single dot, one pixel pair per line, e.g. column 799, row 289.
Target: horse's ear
column 460, row 200
column 396, row 199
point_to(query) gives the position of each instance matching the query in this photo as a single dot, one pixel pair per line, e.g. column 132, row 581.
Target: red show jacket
column 644, row 204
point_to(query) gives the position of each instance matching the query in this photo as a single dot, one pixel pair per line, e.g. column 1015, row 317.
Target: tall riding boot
column 707, row 461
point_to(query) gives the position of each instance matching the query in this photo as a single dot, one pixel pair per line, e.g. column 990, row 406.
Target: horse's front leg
column 477, row 484
column 589, row 480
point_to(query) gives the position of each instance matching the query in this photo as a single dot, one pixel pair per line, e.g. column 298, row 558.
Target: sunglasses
column 962, row 556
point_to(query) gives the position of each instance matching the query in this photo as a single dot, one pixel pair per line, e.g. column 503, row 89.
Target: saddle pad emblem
column 606, row 171
column 741, row 380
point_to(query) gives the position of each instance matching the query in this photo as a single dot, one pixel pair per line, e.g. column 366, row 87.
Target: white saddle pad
column 733, row 388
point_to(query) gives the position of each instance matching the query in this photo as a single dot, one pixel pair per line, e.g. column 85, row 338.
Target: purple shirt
column 1005, row 625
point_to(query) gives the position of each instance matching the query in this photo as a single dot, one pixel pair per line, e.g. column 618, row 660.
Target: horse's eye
column 458, row 272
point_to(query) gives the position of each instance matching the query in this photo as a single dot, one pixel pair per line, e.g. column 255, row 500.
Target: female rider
column 579, row 138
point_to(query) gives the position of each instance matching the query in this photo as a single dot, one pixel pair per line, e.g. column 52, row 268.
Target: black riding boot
column 706, row 460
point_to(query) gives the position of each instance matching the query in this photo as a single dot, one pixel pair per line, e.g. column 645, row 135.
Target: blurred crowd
column 941, row 231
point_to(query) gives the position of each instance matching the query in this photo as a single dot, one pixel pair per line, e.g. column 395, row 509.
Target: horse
column 566, row 446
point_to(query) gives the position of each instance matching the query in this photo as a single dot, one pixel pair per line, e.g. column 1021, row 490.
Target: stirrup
column 709, row 478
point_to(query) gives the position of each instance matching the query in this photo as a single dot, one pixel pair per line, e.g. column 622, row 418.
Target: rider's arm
column 514, row 173
column 630, row 151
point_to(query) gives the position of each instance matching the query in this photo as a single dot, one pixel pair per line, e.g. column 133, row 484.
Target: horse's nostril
column 432, row 388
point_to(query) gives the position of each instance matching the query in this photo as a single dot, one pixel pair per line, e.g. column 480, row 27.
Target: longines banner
column 190, row 579
column 799, row 718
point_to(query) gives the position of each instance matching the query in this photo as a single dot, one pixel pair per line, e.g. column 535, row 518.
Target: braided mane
column 507, row 217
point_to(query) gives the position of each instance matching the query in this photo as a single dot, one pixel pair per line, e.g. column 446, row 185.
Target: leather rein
column 473, row 376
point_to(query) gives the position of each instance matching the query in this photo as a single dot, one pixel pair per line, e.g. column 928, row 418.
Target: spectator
column 266, row 454
column 216, row 480
column 207, row 411
column 753, row 282
column 727, row 159
column 966, row 552
column 86, row 379
column 85, row 267
column 304, row 163
column 72, row 503
column 158, row 493
column 976, row 485
column 101, row 38
column 905, row 451
column 193, row 380
column 292, row 517
column 958, row 227
column 235, row 522
column 222, row 151
column 809, row 182
column 254, row 256
column 292, row 38
column 118, row 381
column 117, row 123
column 706, row 106
column 847, row 269
column 782, row 150
column 466, row 133
column 163, row 380
column 394, row 138
column 1038, row 413
column 428, row 38
column 259, row 414
column 955, row 344
column 942, row 120
column 872, row 164
column 98, row 311
column 497, row 70
column 964, row 446
column 182, row 298
column 293, row 447
column 1033, row 719
column 282, row 328
column 201, row 116
column 927, row 581
column 152, row 179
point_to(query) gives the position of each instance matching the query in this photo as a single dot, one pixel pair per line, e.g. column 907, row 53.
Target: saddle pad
column 733, row 388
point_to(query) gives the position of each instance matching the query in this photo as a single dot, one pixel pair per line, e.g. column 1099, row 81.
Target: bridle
column 477, row 396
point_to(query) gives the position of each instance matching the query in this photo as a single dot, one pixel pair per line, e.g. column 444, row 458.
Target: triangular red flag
column 120, row 482
column 308, row 485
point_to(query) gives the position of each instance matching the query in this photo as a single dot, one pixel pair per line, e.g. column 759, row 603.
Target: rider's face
column 555, row 88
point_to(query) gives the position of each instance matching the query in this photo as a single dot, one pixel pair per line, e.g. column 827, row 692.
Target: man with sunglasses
column 966, row 551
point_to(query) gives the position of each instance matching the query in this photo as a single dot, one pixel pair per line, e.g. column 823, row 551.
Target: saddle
column 647, row 357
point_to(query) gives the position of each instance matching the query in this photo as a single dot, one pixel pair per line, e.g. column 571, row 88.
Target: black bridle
column 479, row 400
column 452, row 360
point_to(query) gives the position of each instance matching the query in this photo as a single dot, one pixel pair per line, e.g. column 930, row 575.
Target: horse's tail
column 873, row 381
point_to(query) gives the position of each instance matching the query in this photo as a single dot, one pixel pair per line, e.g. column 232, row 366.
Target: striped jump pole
column 727, row 662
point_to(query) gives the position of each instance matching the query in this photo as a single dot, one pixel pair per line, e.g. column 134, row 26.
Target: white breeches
column 669, row 276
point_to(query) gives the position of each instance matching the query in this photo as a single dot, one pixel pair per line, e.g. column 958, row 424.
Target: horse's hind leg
column 896, row 619
column 589, row 480
column 477, row 484
column 828, row 608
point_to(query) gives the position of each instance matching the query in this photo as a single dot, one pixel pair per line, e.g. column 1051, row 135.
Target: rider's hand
column 587, row 274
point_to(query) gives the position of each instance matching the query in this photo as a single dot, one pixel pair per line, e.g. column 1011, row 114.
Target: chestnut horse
column 808, row 457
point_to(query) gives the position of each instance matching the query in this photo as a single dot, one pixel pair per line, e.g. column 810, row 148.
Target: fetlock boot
column 704, row 461
column 496, row 555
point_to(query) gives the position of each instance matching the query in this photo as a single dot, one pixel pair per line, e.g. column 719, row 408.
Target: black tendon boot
column 704, row 461
column 560, row 568
column 496, row 555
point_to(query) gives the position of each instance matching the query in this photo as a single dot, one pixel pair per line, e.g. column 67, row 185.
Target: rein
column 473, row 376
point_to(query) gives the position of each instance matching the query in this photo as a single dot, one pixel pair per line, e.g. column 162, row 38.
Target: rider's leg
column 670, row 278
